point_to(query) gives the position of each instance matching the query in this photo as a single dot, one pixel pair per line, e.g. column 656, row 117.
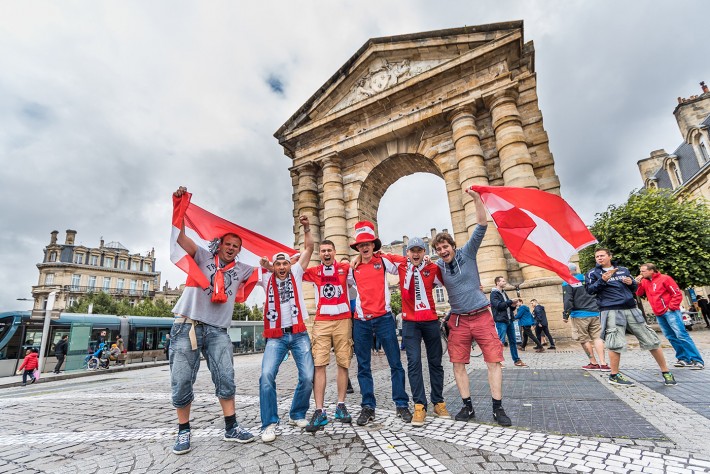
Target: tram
column 144, row 337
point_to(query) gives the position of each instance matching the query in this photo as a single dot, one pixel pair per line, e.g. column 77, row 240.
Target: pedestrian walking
column 29, row 364
column 614, row 289
column 503, row 309
column 60, row 352
column 526, row 322
column 541, row 324
column 704, row 305
column 665, row 297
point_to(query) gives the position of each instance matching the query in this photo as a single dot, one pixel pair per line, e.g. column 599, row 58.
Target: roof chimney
column 71, row 235
column 704, row 87
column 53, row 238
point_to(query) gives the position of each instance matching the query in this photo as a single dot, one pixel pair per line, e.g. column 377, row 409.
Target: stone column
column 308, row 204
column 333, row 199
column 515, row 160
column 472, row 170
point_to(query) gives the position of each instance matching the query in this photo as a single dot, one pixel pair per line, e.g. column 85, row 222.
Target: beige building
column 460, row 104
column 75, row 270
column 687, row 169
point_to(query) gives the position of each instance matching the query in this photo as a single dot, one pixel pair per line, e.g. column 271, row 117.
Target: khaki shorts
column 337, row 334
column 633, row 321
column 586, row 329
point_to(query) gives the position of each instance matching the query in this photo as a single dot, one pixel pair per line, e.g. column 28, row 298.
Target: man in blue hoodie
column 614, row 288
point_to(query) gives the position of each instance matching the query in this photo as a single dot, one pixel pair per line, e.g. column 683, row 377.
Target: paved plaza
column 564, row 420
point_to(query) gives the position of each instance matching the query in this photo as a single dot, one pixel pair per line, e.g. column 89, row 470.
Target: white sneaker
column 268, row 434
column 302, row 423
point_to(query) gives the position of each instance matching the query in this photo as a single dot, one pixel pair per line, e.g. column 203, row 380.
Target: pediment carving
column 383, row 74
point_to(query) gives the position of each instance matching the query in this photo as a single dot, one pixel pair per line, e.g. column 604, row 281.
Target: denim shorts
column 215, row 345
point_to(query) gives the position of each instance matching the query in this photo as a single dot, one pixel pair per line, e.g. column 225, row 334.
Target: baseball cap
column 416, row 242
column 572, row 267
column 281, row 256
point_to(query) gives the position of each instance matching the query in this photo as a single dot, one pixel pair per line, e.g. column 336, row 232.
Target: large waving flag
column 204, row 228
column 538, row 228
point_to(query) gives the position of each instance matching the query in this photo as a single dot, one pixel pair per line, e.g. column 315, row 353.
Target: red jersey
column 332, row 290
column 373, row 294
column 430, row 277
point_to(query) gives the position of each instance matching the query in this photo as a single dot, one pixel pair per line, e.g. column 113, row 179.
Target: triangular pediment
column 382, row 65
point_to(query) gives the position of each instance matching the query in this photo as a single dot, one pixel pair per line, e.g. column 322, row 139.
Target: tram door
column 79, row 337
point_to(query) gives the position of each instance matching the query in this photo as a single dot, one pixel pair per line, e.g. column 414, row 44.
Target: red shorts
column 480, row 328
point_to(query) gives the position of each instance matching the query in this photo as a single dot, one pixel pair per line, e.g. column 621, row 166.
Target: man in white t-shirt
column 285, row 330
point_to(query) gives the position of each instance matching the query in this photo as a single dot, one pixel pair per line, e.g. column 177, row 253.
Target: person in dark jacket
column 614, row 288
column 526, row 322
column 502, row 309
column 705, row 309
column 583, row 309
column 60, row 351
column 541, row 325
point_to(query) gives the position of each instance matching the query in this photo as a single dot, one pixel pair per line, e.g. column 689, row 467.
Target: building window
column 145, row 288
column 108, row 262
column 675, row 175
column 71, row 301
column 92, row 282
column 704, row 151
column 49, row 279
column 133, row 287
column 79, row 258
column 439, row 294
column 121, row 264
column 75, row 282
column 119, row 284
column 52, row 256
column 107, row 283
column 146, row 267
column 134, row 265
column 94, row 260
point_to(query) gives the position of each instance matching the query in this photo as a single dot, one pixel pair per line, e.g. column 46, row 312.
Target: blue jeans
column 508, row 329
column 216, row 347
column 384, row 328
column 673, row 328
column 412, row 335
column 276, row 349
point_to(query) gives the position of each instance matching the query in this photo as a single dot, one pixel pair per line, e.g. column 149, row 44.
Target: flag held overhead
column 539, row 228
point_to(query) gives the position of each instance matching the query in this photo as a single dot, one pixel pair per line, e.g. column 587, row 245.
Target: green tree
column 241, row 312
column 396, row 303
column 653, row 226
column 104, row 303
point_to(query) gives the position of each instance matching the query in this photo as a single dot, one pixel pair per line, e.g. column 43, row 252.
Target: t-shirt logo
column 425, row 273
column 378, row 266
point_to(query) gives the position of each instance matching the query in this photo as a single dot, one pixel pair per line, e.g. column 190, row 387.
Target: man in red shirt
column 373, row 316
column 665, row 297
column 417, row 280
column 332, row 328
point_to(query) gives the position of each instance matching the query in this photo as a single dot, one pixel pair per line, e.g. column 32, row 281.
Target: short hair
column 35, row 350
column 533, row 300
column 328, row 242
column 497, row 279
column 345, row 259
column 221, row 239
column 65, row 336
column 519, row 300
column 650, row 266
column 442, row 237
column 603, row 249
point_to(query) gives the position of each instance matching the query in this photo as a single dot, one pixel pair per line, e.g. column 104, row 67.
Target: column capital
column 501, row 96
column 306, row 169
column 460, row 111
column 332, row 159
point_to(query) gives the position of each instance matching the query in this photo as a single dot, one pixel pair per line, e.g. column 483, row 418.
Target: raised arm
column 183, row 240
column 308, row 243
column 481, row 218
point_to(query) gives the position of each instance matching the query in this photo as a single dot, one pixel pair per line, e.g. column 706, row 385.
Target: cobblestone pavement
column 565, row 420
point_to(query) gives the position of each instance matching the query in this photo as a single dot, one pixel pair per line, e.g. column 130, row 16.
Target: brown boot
column 441, row 411
column 419, row 415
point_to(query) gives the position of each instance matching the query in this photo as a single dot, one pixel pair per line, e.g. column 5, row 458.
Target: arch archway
column 459, row 103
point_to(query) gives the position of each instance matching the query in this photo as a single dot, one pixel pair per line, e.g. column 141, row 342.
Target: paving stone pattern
column 124, row 422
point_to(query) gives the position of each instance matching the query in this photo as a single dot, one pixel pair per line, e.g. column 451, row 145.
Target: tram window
column 162, row 336
column 149, row 339
column 96, row 335
column 12, row 349
column 33, row 338
column 140, row 339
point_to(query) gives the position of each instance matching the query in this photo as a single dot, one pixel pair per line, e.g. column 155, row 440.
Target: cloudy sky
column 106, row 107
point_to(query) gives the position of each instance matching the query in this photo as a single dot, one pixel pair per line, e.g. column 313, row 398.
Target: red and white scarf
column 333, row 299
column 414, row 289
column 219, row 295
column 272, row 310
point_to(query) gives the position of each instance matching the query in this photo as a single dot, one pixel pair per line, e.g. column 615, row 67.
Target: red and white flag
column 538, row 228
column 204, row 228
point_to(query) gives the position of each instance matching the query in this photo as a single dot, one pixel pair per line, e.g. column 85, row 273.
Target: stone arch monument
column 458, row 103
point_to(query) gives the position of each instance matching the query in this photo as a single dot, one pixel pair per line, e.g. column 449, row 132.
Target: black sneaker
column 318, row 421
column 500, row 416
column 367, row 414
column 404, row 414
column 350, row 387
column 465, row 414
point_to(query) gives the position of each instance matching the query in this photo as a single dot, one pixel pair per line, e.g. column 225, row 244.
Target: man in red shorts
column 471, row 318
